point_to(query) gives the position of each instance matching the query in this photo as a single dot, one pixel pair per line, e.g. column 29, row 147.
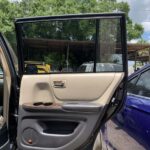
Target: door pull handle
column 59, row 84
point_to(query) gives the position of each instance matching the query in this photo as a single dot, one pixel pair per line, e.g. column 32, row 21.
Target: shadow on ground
column 118, row 137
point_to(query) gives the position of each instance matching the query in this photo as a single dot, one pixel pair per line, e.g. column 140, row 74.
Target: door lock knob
column 30, row 141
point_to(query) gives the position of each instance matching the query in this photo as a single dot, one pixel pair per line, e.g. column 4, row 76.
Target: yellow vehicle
column 39, row 67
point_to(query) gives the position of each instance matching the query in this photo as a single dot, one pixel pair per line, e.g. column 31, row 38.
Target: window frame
column 121, row 16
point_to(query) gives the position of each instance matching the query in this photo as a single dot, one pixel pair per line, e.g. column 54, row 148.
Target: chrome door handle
column 59, row 84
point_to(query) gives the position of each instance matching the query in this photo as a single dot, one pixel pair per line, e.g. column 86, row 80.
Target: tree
column 8, row 12
column 59, row 7
column 26, row 8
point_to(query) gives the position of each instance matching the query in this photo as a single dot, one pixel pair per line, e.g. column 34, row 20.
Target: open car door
column 4, row 139
column 73, row 71
column 8, row 94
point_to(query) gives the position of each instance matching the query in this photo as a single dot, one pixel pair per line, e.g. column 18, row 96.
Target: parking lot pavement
column 117, row 138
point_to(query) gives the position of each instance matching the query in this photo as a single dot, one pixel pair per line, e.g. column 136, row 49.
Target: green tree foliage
column 8, row 11
column 25, row 8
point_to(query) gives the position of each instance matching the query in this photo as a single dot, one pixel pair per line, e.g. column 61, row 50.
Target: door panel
column 54, row 128
column 81, row 87
column 78, row 87
column 6, row 83
column 70, row 78
column 64, row 123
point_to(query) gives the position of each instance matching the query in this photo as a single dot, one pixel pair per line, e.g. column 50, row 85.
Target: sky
column 140, row 13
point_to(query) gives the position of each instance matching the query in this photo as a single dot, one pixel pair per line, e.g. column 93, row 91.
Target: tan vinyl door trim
column 7, row 85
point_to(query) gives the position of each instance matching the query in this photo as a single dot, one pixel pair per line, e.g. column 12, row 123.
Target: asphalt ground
column 116, row 137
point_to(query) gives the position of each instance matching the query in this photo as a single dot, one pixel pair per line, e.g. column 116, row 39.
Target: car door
column 138, row 104
column 7, row 94
column 65, row 107
column 4, row 142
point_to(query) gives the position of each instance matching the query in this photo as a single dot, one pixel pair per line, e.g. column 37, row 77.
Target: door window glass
column 143, row 84
column 89, row 45
column 131, row 85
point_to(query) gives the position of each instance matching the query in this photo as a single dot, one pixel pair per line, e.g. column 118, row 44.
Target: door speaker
column 30, row 136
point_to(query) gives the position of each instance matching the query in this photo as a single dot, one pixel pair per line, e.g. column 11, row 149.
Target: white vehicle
column 100, row 67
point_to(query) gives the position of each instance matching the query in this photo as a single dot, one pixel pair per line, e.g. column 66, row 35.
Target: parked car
column 135, row 114
column 61, row 110
column 100, row 67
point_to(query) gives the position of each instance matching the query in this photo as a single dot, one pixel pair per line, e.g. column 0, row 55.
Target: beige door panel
column 36, row 88
column 82, row 87
column 106, row 97
column 97, row 88
column 7, row 84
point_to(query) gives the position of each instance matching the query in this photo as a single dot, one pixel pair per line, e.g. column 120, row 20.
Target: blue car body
column 136, row 112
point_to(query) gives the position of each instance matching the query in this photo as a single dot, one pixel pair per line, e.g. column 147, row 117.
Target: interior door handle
column 59, row 84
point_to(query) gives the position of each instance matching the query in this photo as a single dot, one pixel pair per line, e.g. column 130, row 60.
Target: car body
column 135, row 114
column 62, row 109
